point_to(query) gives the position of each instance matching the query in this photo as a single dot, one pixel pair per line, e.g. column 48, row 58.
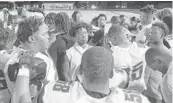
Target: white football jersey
column 4, row 94
column 132, row 57
column 119, row 79
column 74, row 55
column 63, row 92
column 51, row 71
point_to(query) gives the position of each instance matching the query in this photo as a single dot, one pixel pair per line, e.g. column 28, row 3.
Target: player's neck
column 157, row 45
column 26, row 46
column 84, row 45
column 99, row 87
column 125, row 44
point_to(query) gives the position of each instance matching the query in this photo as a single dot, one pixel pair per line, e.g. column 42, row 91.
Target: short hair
column 50, row 18
column 115, row 30
column 121, row 16
column 80, row 25
column 114, row 19
column 97, row 63
column 62, row 22
column 163, row 26
column 74, row 15
column 6, row 35
column 28, row 27
column 148, row 9
column 103, row 16
column 168, row 21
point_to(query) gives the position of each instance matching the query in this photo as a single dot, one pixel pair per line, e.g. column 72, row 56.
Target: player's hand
column 36, row 65
column 26, row 59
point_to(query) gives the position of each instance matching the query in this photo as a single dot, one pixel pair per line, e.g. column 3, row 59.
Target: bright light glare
column 93, row 7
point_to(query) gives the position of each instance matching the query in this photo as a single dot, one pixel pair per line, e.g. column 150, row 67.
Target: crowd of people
column 55, row 58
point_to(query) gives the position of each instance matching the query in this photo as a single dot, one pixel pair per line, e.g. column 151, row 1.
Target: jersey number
column 61, row 86
column 137, row 71
column 132, row 96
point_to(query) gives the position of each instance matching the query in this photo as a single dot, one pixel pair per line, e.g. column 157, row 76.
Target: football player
column 161, row 60
column 7, row 39
column 155, row 39
column 33, row 35
column 80, row 32
column 96, row 68
column 128, row 56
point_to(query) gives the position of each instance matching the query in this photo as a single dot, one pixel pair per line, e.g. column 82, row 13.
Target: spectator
column 63, row 40
column 160, row 59
column 80, row 32
column 77, row 17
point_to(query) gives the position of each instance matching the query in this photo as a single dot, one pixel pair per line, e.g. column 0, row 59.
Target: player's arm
column 21, row 92
column 65, row 67
column 167, row 89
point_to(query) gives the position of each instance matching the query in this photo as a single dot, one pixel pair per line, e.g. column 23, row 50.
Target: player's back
column 64, row 92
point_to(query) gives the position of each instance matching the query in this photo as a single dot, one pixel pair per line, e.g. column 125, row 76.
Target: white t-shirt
column 63, row 92
column 51, row 70
column 166, row 85
column 74, row 55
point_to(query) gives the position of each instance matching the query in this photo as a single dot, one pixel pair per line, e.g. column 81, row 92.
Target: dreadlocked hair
column 62, row 22
column 50, row 18
column 80, row 25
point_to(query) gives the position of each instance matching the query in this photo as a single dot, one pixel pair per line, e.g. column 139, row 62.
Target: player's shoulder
column 71, row 49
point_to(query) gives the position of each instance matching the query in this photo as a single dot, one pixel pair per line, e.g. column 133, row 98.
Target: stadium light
column 93, row 7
